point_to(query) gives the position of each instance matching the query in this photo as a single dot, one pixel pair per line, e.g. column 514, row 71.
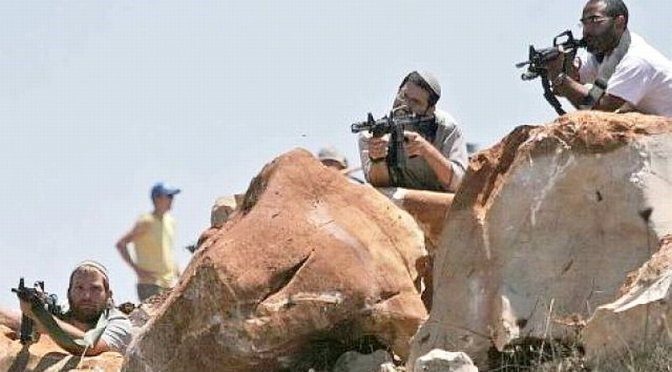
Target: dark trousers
column 146, row 291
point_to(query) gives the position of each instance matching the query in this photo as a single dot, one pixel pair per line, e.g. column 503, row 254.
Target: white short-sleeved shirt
column 117, row 334
column 643, row 78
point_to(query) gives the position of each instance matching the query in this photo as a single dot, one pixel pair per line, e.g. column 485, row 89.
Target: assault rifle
column 564, row 43
column 393, row 125
column 36, row 297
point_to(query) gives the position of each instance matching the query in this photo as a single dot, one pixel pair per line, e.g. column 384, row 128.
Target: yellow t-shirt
column 154, row 250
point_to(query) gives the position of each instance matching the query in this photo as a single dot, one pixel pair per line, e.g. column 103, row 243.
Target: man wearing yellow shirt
column 152, row 238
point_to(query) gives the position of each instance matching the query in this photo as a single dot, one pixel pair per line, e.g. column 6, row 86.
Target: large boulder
column 309, row 259
column 546, row 226
column 45, row 355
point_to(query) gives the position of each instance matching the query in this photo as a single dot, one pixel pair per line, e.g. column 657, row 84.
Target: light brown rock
column 547, row 226
column 309, row 257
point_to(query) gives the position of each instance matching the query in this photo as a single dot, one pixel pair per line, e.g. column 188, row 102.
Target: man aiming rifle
column 91, row 326
column 425, row 153
column 621, row 72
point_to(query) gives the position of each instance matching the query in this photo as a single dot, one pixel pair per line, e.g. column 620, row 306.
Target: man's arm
column 568, row 85
column 379, row 175
column 575, row 92
column 373, row 153
column 68, row 329
column 122, row 246
column 418, row 146
column 75, row 333
column 117, row 334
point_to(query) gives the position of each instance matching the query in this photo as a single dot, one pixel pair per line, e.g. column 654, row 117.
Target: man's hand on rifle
column 27, row 309
column 415, row 144
column 556, row 74
column 378, row 147
column 555, row 66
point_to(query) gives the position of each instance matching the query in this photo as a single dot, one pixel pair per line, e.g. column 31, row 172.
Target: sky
column 100, row 99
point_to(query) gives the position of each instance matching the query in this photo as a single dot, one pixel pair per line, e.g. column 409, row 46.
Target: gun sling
column 60, row 336
column 604, row 72
column 550, row 96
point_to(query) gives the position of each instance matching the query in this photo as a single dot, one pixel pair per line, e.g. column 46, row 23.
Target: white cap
column 96, row 265
column 330, row 153
column 432, row 81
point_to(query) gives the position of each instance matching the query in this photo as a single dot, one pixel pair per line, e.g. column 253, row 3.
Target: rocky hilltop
column 559, row 233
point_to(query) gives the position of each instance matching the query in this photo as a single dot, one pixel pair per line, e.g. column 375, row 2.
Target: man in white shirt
column 621, row 73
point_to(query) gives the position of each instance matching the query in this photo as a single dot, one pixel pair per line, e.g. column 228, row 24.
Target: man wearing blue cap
column 152, row 237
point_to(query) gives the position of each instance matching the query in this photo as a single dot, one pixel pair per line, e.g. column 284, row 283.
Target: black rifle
column 394, row 125
column 36, row 297
column 538, row 58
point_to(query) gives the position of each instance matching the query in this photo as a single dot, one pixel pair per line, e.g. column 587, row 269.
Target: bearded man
column 91, row 326
column 621, row 71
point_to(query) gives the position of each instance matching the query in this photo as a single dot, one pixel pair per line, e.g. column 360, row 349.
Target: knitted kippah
column 95, row 265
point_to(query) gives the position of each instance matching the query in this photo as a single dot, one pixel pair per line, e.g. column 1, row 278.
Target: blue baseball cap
column 160, row 189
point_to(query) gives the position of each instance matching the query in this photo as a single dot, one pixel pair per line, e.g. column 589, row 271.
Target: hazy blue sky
column 100, row 99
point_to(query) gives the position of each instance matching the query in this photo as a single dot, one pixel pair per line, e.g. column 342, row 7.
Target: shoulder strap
column 606, row 69
column 550, row 97
column 62, row 338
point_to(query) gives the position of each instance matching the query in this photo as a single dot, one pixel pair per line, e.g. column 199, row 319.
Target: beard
column 86, row 313
column 603, row 43
column 598, row 45
column 591, row 47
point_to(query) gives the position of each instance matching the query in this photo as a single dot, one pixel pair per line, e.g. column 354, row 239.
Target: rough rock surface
column 45, row 355
column 639, row 318
column 546, row 226
column 310, row 258
column 148, row 309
